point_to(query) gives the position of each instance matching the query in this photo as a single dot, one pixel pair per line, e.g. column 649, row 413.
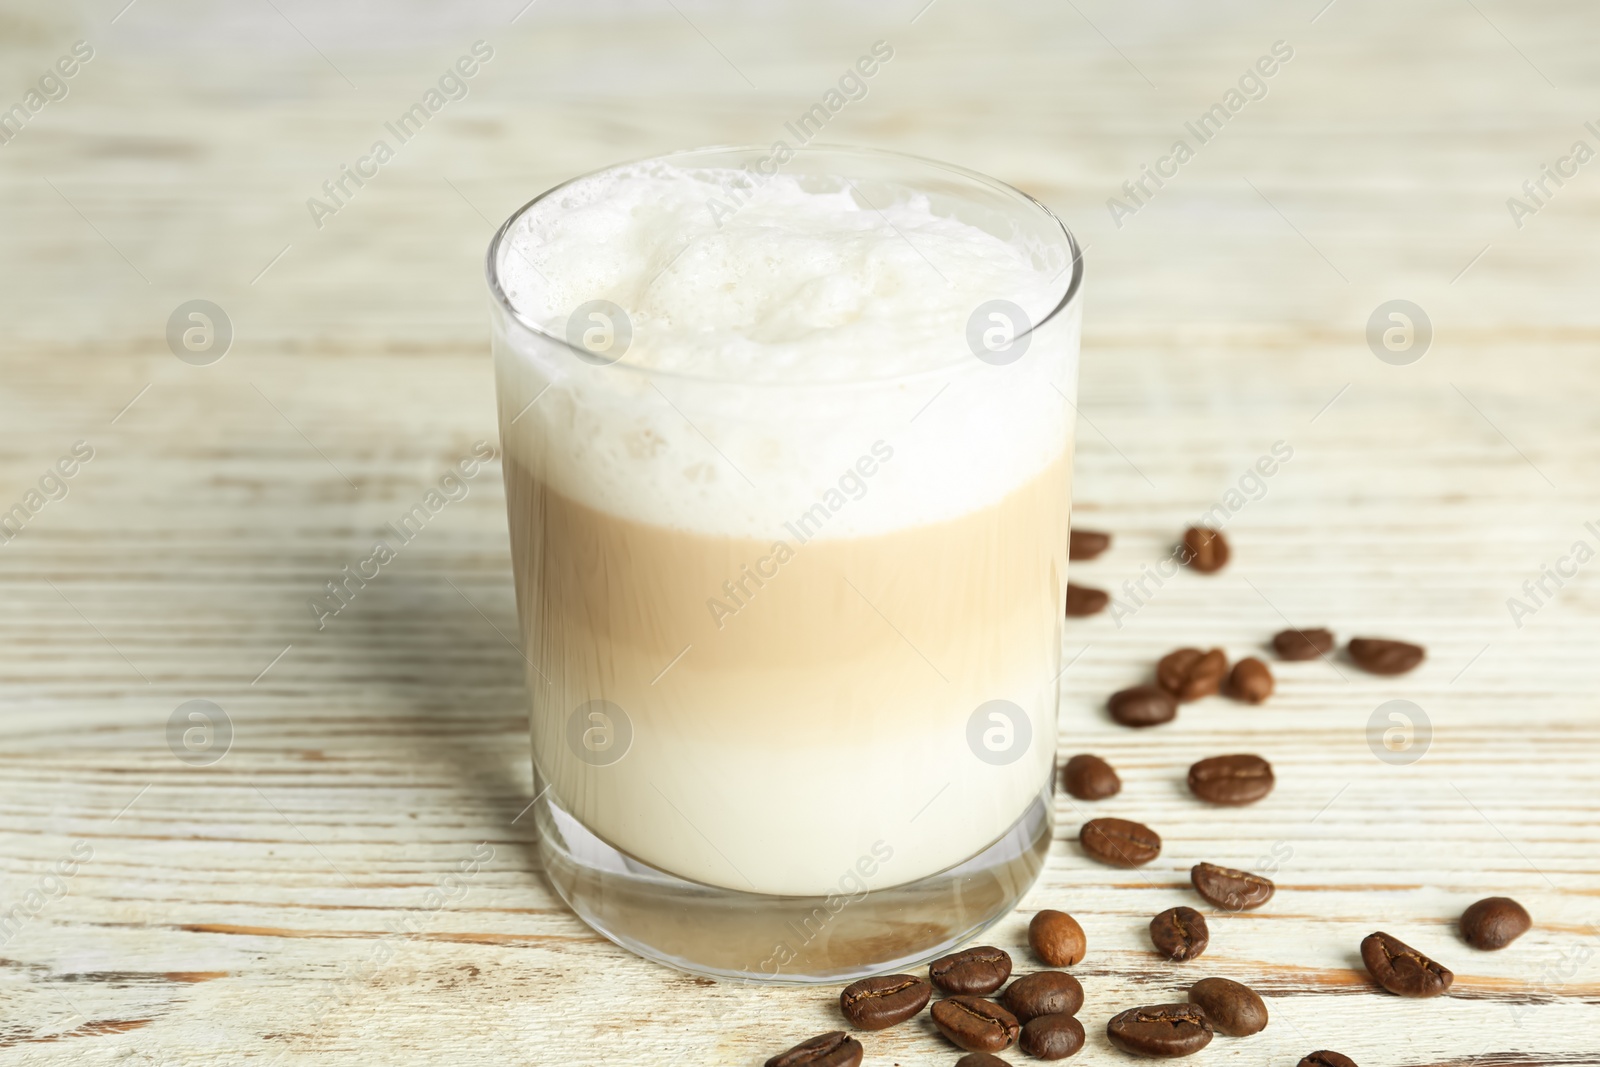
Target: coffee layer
column 793, row 706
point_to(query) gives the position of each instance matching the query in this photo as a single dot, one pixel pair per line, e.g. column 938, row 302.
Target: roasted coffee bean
column 1051, row 1037
column 1087, row 544
column 1085, row 600
column 1043, row 993
column 1401, row 969
column 1379, row 655
column 1250, row 681
column 1190, row 674
column 1327, row 1059
column 1180, row 934
column 1165, row 1030
column 1119, row 842
column 1143, row 705
column 1090, row 778
column 981, row 1059
column 1494, row 922
column 1233, row 1009
column 978, row 971
column 975, row 1024
column 1230, row 889
column 880, row 1002
column 1205, row 550
column 1303, row 644
column 1056, row 938
column 837, row 1049
column 1232, row 780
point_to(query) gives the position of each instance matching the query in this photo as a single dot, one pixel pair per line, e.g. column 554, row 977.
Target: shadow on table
column 440, row 680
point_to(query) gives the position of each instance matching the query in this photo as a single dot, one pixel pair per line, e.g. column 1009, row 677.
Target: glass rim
column 503, row 301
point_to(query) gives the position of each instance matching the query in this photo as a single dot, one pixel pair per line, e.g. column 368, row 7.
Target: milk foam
column 775, row 341
column 796, row 285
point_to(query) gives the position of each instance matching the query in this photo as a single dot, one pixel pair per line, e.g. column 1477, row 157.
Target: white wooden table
column 278, row 905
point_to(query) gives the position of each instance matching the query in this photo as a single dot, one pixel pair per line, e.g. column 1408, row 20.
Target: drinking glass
column 794, row 646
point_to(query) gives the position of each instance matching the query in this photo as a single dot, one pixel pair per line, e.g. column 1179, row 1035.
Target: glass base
column 757, row 937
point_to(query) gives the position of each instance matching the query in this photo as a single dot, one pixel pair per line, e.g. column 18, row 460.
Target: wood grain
column 275, row 906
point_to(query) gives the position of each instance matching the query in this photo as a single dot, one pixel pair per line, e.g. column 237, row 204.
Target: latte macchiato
column 784, row 528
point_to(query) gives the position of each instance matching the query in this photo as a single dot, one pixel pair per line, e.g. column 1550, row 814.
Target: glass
column 819, row 742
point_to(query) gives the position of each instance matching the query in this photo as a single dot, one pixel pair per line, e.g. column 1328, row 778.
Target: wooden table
column 279, row 904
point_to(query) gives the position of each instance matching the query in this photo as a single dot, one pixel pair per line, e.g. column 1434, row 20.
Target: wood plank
column 274, row 907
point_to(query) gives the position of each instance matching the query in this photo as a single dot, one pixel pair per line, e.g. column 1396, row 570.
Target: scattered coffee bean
column 1494, row 922
column 1379, row 655
column 880, row 1002
column 1205, row 550
column 1090, row 778
column 1327, row 1059
column 1401, row 969
column 1230, row 889
column 978, row 971
column 1165, row 1030
column 981, row 1059
column 1190, row 674
column 1043, row 993
column 975, row 1024
column 1231, row 780
column 1085, row 600
column 1051, row 1037
column 1143, row 705
column 1233, row 1009
column 1119, row 842
column 1087, row 544
column 1056, row 938
column 837, row 1049
column 1250, row 681
column 1303, row 644
column 1180, row 934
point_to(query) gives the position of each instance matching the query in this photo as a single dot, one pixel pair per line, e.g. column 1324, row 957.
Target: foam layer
column 798, row 284
column 775, row 343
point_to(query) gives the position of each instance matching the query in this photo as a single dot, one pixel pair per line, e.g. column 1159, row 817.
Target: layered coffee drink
column 787, row 461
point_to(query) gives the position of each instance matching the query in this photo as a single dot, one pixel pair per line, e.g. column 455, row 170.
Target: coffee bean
column 1327, row 1059
column 1494, row 922
column 837, row 1049
column 1165, row 1030
column 979, row 970
column 1231, row 780
column 981, row 1059
column 1119, row 842
column 975, row 1024
column 1401, row 969
column 1143, row 705
column 1303, row 644
column 1043, row 993
column 1233, row 1009
column 1090, row 778
column 1230, row 889
column 1250, row 681
column 1180, row 934
column 1379, row 655
column 1205, row 550
column 1056, row 938
column 1087, row 544
column 1051, row 1037
column 1190, row 674
column 1085, row 600
column 880, row 1002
